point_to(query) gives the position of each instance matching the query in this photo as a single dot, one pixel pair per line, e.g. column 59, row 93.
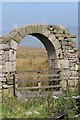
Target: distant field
column 31, row 58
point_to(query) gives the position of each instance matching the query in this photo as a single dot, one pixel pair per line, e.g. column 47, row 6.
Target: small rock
column 36, row 112
column 29, row 113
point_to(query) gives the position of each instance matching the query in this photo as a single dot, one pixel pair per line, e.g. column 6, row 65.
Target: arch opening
column 49, row 53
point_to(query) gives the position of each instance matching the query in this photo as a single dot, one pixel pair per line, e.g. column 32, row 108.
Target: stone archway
column 57, row 41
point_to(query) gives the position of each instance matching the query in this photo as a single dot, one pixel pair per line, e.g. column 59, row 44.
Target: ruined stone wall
column 7, row 63
column 60, row 38
column 69, row 62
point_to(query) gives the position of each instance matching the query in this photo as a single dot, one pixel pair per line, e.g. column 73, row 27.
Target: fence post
column 14, row 85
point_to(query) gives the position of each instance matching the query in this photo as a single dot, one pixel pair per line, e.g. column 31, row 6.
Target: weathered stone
column 71, row 51
column 22, row 32
column 1, row 68
column 58, row 43
column 71, row 83
column 8, row 67
column 59, row 54
column 76, row 82
column 63, row 64
column 1, row 52
column 28, row 30
column 2, row 79
column 4, row 46
column 12, row 55
column 46, row 33
column 60, row 38
column 13, row 45
column 16, row 36
column 52, row 37
column 63, row 83
column 65, row 35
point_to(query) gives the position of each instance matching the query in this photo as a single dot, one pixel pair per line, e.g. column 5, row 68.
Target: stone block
column 60, row 31
column 8, row 67
column 14, row 66
column 65, row 73
column 1, row 46
column 1, row 52
column 0, row 83
column 63, row 83
column 13, row 45
column 4, row 46
column 12, row 55
column 60, row 38
column 56, row 44
column 16, row 36
column 6, row 56
column 0, row 57
column 47, row 33
column 63, row 64
column 77, row 67
column 52, row 37
column 76, row 82
column 28, row 29
column 7, row 46
column 74, row 73
column 2, row 79
column 59, row 54
column 72, row 51
column 0, row 93
column 71, row 83
column 22, row 32
column 1, row 68
column 73, row 77
column 9, row 79
column 73, row 68
column 1, row 75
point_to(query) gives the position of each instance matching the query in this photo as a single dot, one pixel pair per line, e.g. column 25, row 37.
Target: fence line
column 21, row 71
column 39, row 87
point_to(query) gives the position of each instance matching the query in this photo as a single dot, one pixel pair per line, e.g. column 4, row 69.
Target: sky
column 26, row 13
column 39, row 0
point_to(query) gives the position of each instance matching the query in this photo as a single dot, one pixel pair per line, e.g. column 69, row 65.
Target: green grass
column 45, row 106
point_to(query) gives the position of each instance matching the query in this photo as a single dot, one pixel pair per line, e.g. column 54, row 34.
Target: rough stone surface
column 13, row 45
column 58, row 43
column 63, row 64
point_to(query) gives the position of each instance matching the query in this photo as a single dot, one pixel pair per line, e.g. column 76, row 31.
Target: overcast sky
column 25, row 13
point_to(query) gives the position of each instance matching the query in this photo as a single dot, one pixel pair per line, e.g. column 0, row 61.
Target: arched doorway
column 31, row 62
column 51, row 63
column 57, row 41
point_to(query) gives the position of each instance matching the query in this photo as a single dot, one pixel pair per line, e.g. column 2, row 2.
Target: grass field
column 31, row 58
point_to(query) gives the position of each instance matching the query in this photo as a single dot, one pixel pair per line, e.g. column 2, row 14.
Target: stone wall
column 57, row 41
column 7, row 62
column 69, row 62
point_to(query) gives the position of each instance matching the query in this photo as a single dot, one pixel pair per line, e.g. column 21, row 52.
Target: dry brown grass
column 31, row 59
